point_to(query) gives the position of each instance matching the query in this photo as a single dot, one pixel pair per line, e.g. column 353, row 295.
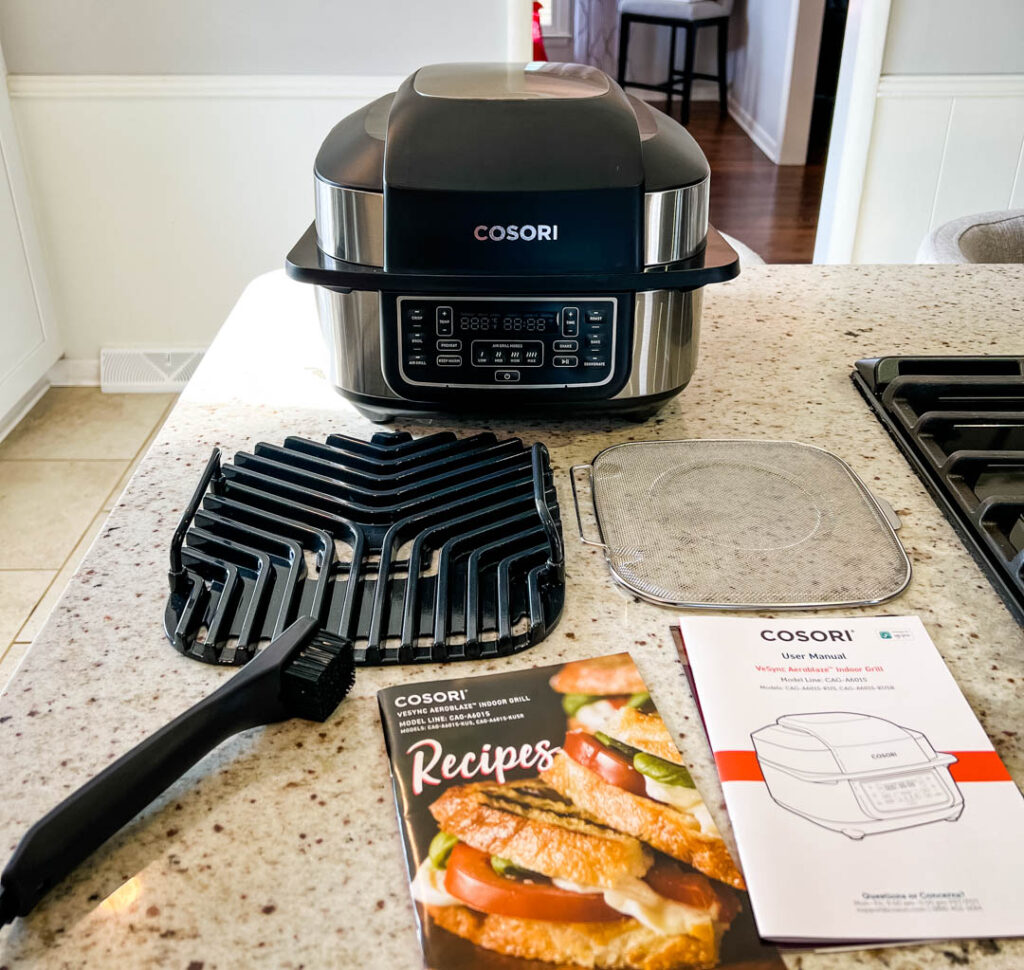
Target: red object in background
column 539, row 54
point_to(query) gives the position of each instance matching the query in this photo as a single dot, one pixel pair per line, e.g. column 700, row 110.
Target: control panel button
column 449, row 345
column 570, row 321
column 445, row 321
column 594, row 341
column 565, row 346
column 595, row 316
column 416, row 360
column 564, row 361
column 506, row 376
column 415, row 314
column 449, row 360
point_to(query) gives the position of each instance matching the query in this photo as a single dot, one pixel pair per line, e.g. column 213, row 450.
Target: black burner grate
column 415, row 550
column 960, row 422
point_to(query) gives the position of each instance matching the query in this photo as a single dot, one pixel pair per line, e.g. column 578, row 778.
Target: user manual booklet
column 548, row 820
column 867, row 802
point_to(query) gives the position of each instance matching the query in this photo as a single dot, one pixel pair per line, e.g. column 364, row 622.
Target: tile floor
column 61, row 470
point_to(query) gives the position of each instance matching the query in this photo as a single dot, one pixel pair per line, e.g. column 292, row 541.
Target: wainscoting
column 941, row 147
column 158, row 198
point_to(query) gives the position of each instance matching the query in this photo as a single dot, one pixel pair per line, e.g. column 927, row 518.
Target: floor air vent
column 147, row 370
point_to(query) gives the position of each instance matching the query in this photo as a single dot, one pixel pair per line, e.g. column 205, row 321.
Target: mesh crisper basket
column 743, row 525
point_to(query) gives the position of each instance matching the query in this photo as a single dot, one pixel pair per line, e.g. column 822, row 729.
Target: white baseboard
column 75, row 373
column 758, row 135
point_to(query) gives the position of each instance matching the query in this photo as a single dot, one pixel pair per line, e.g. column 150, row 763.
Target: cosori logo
column 805, row 636
column 512, row 233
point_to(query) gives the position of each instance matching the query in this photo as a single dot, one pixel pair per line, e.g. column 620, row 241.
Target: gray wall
column 955, row 37
column 245, row 36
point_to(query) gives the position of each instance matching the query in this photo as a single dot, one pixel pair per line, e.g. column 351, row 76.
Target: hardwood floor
column 772, row 208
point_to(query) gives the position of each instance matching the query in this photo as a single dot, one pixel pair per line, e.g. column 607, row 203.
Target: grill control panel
column 906, row 792
column 507, row 341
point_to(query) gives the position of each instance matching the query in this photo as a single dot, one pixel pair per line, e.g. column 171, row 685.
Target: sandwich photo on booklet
column 629, row 775
column 519, row 869
column 593, row 690
column 536, row 839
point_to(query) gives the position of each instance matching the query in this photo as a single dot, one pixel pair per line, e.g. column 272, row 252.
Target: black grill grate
column 415, row 550
column 960, row 422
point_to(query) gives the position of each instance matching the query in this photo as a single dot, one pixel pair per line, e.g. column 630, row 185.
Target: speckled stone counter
column 281, row 849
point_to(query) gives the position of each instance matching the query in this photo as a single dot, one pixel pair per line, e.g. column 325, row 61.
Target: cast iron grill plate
column 414, row 550
column 960, row 422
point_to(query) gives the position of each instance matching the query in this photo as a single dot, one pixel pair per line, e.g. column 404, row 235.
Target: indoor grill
column 505, row 236
column 856, row 773
column 413, row 550
column 960, row 422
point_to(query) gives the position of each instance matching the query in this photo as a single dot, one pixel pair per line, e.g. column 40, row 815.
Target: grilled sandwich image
column 593, row 690
column 519, row 869
column 630, row 776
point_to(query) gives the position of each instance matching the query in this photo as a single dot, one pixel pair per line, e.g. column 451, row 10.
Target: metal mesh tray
column 742, row 525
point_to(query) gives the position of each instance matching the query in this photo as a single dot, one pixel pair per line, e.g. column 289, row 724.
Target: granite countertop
column 281, row 848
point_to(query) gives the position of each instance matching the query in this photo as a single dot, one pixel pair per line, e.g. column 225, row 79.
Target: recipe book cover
column 867, row 802
column 548, row 819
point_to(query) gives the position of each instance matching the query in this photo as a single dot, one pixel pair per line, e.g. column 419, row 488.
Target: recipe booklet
column 548, row 820
column 867, row 802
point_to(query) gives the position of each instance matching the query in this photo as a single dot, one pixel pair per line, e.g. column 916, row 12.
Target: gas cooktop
column 960, row 422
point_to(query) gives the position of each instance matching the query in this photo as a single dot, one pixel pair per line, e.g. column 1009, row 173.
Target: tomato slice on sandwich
column 470, row 878
column 682, row 885
column 613, row 767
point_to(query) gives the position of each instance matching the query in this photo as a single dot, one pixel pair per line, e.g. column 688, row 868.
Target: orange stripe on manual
column 969, row 766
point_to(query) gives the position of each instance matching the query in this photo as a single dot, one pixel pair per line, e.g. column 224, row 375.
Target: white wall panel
column 1017, row 192
column 941, row 147
column 158, row 199
column 982, row 152
column 901, row 178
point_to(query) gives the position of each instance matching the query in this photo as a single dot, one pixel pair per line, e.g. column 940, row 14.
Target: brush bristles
column 315, row 682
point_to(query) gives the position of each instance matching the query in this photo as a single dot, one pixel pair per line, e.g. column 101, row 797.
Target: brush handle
column 81, row 823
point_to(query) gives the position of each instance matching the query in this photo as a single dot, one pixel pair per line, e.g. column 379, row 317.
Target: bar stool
column 691, row 15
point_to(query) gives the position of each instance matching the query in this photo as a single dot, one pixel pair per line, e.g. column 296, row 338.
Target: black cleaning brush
column 302, row 673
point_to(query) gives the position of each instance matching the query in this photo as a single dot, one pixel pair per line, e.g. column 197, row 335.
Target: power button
column 506, row 376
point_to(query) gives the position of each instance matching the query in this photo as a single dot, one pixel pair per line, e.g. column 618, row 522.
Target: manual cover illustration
column 856, row 773
column 851, row 761
column 548, row 819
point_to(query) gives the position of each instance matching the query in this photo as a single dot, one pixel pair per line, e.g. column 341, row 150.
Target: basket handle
column 576, row 501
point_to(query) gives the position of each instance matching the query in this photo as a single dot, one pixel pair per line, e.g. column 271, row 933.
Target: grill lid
column 415, row 550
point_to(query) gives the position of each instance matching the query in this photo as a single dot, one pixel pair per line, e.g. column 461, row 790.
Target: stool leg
column 723, row 47
column 691, row 45
column 671, row 67
column 624, row 21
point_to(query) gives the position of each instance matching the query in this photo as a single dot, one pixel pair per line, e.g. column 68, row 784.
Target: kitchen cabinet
column 28, row 339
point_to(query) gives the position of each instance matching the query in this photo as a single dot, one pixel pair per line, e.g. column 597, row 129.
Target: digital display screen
column 923, row 790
